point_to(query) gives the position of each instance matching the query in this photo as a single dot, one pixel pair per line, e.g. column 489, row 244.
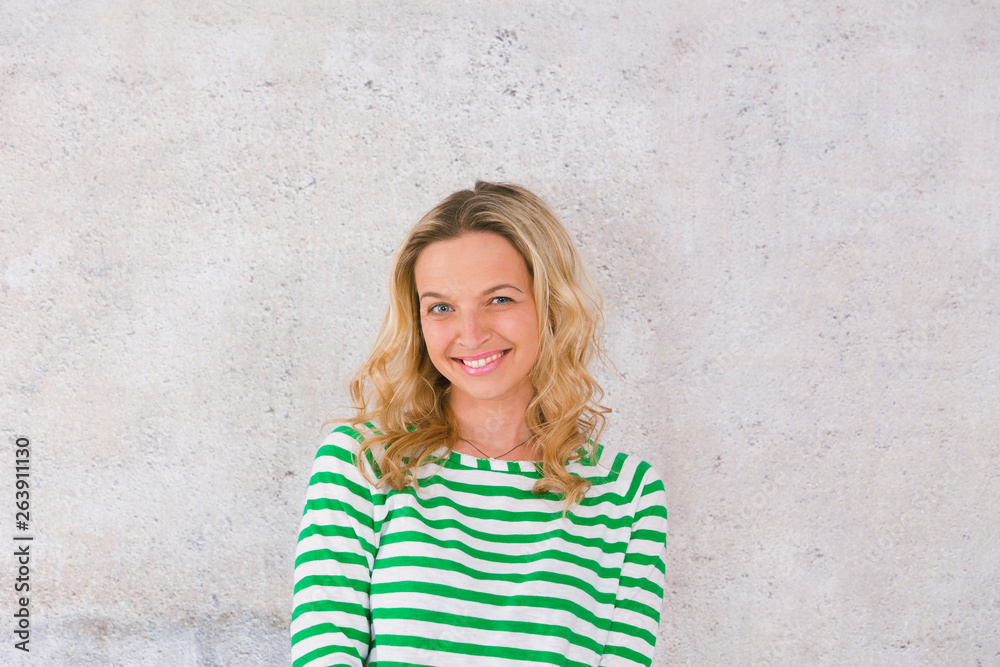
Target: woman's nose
column 475, row 330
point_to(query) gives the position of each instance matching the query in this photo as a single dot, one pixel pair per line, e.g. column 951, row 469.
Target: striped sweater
column 476, row 569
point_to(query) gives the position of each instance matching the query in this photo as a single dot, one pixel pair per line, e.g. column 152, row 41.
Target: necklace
column 494, row 458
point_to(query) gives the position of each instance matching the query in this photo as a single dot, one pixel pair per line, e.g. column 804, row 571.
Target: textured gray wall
column 791, row 207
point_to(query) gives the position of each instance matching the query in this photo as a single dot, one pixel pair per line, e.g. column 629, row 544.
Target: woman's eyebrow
column 500, row 287
column 495, row 288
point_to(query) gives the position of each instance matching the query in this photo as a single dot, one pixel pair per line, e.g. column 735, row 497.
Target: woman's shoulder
column 612, row 470
column 608, row 459
column 343, row 438
column 340, row 450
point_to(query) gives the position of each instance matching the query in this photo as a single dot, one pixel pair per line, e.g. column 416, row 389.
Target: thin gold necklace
column 494, row 458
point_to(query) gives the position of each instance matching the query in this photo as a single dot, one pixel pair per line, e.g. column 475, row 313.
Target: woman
column 467, row 515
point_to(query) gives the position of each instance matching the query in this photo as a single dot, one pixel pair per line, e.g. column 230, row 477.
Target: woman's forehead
column 471, row 262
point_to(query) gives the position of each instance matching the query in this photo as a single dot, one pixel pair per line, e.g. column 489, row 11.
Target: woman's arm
column 639, row 599
column 333, row 562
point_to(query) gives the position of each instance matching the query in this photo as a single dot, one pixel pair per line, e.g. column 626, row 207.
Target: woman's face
column 478, row 317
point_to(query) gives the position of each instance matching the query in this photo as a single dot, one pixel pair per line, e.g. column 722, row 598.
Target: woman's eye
column 502, row 299
column 438, row 309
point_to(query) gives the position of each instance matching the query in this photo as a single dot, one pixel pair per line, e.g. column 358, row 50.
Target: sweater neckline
column 468, row 461
column 458, row 459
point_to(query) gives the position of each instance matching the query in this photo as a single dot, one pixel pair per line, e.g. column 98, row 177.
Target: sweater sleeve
column 639, row 599
column 333, row 562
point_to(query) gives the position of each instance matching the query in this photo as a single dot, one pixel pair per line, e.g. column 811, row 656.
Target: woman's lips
column 480, row 364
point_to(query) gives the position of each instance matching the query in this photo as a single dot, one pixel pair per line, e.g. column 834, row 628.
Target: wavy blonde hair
column 400, row 390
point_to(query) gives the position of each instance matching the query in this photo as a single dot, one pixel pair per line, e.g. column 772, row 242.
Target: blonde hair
column 399, row 389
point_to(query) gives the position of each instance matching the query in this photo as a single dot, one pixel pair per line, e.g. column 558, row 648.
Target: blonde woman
column 466, row 514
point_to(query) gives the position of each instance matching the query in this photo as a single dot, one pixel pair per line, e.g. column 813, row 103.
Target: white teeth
column 479, row 363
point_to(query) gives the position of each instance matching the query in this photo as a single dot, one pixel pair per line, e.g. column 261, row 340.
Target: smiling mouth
column 479, row 363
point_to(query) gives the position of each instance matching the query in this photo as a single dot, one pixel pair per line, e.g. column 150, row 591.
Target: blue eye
column 502, row 299
column 438, row 309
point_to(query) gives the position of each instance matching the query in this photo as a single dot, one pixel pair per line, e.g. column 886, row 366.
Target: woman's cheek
column 433, row 339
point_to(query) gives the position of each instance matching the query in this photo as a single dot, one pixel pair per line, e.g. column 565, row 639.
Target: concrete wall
column 791, row 207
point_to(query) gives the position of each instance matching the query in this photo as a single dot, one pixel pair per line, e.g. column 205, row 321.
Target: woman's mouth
column 480, row 365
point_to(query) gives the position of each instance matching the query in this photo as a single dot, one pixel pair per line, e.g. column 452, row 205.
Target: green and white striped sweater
column 475, row 569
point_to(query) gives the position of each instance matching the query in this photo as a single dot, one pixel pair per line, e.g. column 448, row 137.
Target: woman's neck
column 493, row 429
